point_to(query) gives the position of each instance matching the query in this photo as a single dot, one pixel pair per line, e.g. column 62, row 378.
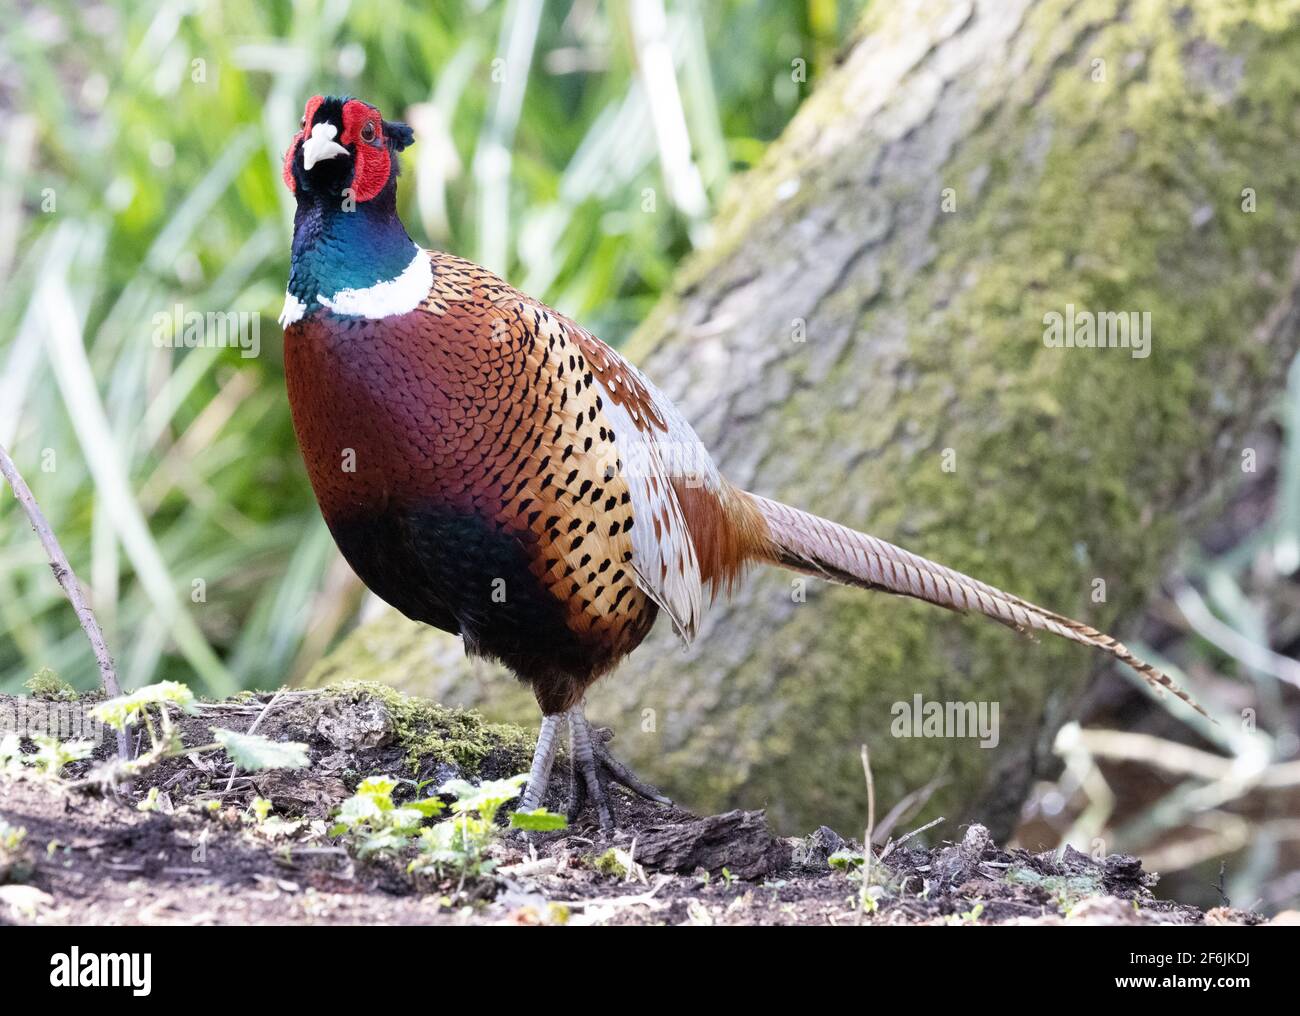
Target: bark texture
column 865, row 339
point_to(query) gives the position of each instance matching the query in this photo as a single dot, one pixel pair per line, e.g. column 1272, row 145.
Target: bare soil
column 88, row 858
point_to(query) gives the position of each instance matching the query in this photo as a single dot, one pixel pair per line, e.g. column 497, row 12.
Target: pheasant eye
column 302, row 124
column 368, row 131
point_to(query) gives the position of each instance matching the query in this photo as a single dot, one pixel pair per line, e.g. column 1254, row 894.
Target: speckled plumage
column 477, row 411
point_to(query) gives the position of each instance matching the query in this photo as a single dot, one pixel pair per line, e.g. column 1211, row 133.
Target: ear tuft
column 399, row 135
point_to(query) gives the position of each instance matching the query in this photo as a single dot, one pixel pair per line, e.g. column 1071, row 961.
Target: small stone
column 356, row 726
column 814, row 851
column 976, row 841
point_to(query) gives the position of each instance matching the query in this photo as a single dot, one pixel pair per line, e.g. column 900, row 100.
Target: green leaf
column 405, row 820
column 253, row 751
column 359, row 809
column 377, row 787
column 11, row 750
column 125, row 709
column 539, row 820
column 486, row 797
column 428, row 806
column 388, row 839
column 52, row 754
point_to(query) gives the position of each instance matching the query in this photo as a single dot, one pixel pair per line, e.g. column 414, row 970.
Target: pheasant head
column 344, row 145
column 351, row 253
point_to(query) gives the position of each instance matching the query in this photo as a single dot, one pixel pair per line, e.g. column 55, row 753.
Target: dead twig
column 67, row 579
column 527, row 869
column 619, row 901
column 914, row 800
column 871, row 829
column 234, row 767
column 894, row 844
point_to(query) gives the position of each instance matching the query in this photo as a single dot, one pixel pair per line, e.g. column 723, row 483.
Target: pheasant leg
column 594, row 767
column 548, row 740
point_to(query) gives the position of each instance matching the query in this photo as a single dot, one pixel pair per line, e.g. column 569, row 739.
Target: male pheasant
column 492, row 469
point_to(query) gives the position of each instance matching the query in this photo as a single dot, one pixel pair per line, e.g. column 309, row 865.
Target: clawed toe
column 622, row 775
column 585, row 776
column 595, row 767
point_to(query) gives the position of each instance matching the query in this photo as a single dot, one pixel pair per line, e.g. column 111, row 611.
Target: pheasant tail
column 805, row 542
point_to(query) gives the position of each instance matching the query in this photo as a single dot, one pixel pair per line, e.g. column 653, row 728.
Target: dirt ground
column 87, row 858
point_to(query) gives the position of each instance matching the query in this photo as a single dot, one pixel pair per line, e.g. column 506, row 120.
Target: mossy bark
column 865, row 339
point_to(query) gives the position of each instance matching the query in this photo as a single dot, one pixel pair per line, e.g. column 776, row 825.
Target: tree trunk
column 866, row 339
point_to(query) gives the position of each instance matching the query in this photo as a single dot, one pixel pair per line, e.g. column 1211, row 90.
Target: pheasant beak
column 321, row 145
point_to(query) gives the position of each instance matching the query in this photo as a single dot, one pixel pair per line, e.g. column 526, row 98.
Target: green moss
column 46, row 684
column 609, row 864
column 428, row 731
column 1066, row 890
column 416, row 659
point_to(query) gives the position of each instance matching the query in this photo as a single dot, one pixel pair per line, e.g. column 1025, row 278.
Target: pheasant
column 490, row 468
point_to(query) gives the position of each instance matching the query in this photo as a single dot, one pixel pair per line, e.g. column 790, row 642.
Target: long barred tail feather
column 805, row 542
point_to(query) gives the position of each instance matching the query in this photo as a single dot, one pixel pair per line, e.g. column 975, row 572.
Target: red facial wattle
column 363, row 133
column 313, row 104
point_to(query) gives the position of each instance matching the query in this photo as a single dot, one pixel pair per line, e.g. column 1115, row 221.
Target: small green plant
column 48, row 685
column 853, row 864
column 11, row 753
column 52, row 754
column 613, row 862
column 15, row 865
column 50, row 757
column 11, row 836
column 119, row 712
column 621, row 864
column 249, row 752
column 461, row 844
column 970, row 916
column 373, row 823
column 150, row 802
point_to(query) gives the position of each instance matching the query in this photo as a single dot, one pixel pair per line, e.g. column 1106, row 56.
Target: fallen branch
column 67, row 579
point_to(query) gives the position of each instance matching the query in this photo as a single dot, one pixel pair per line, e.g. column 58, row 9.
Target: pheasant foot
column 593, row 768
